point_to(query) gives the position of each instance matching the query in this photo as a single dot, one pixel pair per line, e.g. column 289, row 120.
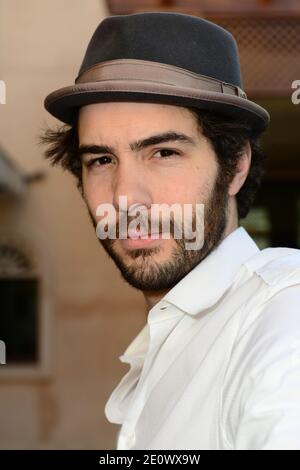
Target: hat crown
column 185, row 41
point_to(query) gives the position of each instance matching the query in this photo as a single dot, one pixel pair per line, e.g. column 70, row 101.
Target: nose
column 130, row 180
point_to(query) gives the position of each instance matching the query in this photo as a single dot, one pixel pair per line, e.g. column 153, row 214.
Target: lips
column 134, row 235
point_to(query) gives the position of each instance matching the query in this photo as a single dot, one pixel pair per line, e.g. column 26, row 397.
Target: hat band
column 148, row 71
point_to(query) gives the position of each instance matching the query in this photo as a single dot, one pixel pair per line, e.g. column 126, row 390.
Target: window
column 19, row 294
column 23, row 316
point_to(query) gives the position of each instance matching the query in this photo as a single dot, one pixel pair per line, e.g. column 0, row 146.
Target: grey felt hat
column 170, row 58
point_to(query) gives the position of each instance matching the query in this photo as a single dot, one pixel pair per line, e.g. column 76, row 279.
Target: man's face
column 164, row 172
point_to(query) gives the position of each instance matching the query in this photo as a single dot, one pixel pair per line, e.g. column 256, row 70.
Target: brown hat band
column 148, row 71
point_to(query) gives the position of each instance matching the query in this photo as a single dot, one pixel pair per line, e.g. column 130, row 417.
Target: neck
column 153, row 297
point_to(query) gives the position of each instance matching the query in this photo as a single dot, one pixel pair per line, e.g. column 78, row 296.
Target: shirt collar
column 204, row 285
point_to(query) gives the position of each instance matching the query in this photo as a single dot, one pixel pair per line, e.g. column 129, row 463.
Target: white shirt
column 217, row 364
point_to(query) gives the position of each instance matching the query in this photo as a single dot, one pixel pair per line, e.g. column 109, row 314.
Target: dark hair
column 228, row 138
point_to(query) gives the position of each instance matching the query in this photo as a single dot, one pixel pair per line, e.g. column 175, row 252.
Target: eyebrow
column 170, row 136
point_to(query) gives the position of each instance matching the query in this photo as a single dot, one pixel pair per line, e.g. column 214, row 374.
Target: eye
column 99, row 161
column 167, row 153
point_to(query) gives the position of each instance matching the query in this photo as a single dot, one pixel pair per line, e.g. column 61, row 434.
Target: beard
column 146, row 274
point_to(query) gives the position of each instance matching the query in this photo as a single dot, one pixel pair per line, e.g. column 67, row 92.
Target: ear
column 241, row 174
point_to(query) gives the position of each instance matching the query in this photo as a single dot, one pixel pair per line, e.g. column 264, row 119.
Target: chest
column 179, row 405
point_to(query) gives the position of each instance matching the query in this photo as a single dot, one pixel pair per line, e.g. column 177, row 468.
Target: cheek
column 188, row 186
column 93, row 193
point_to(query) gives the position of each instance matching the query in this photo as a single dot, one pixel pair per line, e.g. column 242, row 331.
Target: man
column 157, row 115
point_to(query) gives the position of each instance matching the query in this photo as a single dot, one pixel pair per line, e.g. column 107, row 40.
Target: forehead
column 127, row 115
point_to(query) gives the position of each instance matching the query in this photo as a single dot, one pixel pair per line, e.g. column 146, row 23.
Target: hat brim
column 64, row 102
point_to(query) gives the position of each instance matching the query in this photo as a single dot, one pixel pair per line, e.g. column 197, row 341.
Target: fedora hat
column 160, row 57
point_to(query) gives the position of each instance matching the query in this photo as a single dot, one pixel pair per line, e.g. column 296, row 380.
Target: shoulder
column 262, row 379
column 276, row 265
column 279, row 272
column 271, row 319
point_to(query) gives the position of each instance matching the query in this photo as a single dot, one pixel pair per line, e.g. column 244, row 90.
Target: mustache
column 162, row 221
column 123, row 224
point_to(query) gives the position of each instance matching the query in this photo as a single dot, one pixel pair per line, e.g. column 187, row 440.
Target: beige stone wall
column 88, row 326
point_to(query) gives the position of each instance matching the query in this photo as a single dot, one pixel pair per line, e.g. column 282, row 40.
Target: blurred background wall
column 67, row 325
column 59, row 312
